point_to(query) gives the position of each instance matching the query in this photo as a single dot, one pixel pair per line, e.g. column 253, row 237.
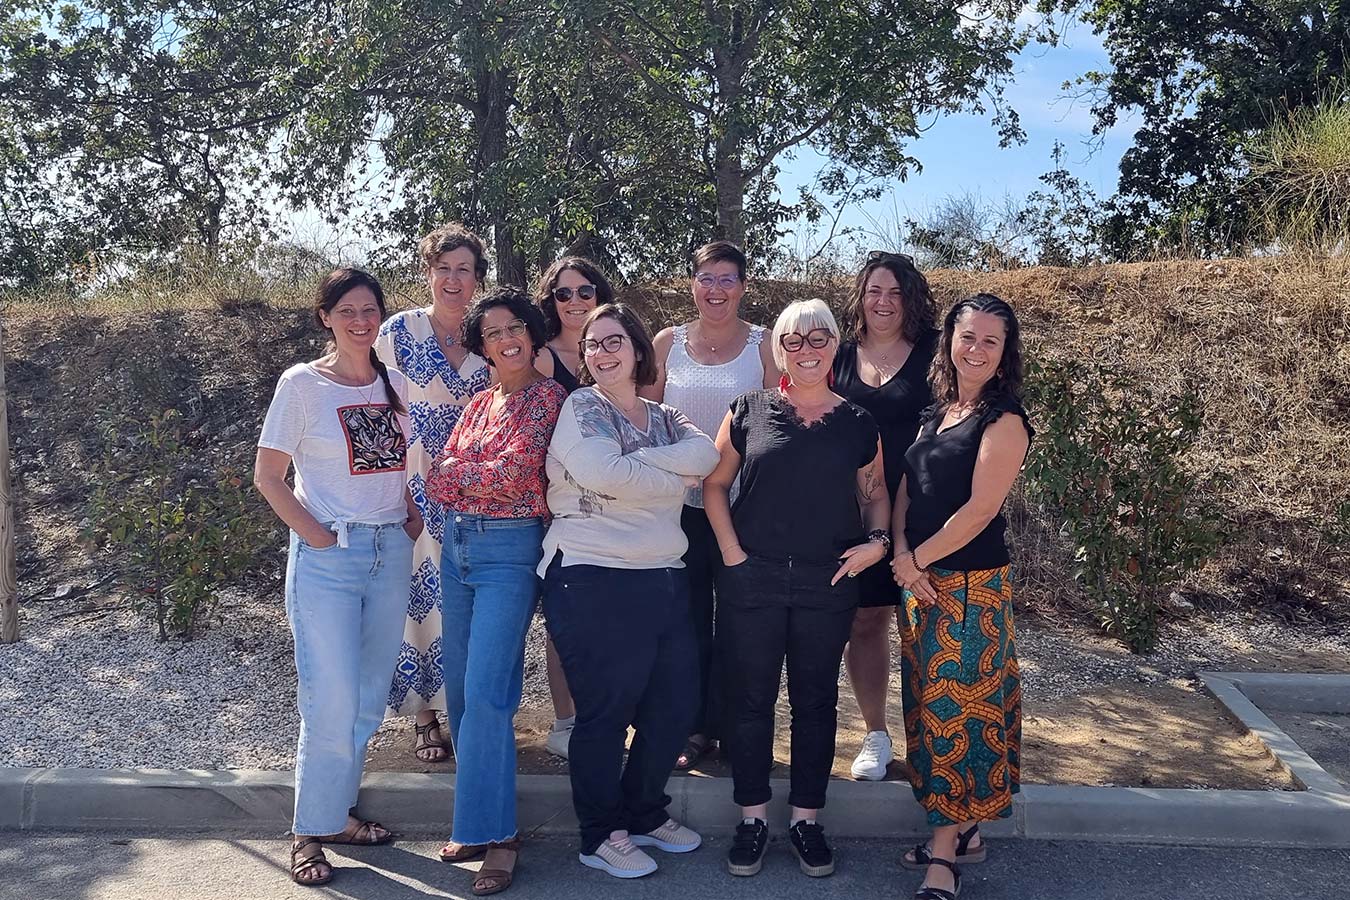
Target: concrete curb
column 259, row 802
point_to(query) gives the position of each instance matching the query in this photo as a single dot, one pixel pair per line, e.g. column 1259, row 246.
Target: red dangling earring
column 784, row 382
column 829, row 379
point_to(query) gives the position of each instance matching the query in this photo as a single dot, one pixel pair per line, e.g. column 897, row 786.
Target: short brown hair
column 720, row 251
column 452, row 237
column 644, row 369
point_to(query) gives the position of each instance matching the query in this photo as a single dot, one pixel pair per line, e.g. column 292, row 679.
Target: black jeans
column 703, row 562
column 628, row 650
column 771, row 610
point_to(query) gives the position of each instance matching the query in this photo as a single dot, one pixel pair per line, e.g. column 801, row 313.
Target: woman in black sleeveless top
column 952, row 560
column 810, row 517
column 884, row 369
column 566, row 293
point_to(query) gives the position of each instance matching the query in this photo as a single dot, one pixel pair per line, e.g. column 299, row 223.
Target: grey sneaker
column 671, row 837
column 620, row 857
column 558, row 739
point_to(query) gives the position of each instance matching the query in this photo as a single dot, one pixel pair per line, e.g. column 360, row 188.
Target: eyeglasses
column 725, row 282
column 609, row 343
column 818, row 338
column 875, row 256
column 567, row 294
column 497, row 335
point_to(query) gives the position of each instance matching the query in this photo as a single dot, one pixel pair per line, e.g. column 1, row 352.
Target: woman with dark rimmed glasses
column 883, row 367
column 812, row 515
column 566, row 293
column 701, row 367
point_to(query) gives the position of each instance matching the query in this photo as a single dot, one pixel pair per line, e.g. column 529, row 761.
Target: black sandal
column 693, row 751
column 921, row 856
column 932, row 893
column 423, row 742
column 304, row 864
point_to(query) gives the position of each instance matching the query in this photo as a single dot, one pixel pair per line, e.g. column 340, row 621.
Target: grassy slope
column 1268, row 339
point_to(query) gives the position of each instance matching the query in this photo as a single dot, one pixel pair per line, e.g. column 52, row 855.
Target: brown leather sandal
column 424, row 742
column 494, row 881
column 365, row 834
column 455, row 853
column 301, row 866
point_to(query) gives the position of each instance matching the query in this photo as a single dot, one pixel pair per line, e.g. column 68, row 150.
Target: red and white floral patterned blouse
column 497, row 462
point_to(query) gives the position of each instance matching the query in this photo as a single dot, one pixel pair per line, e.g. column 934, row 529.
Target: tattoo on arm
column 869, row 485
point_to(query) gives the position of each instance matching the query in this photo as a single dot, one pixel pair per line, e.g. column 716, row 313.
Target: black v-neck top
column 799, row 482
column 940, row 468
column 897, row 404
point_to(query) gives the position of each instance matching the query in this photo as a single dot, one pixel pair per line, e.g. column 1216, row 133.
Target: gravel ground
column 90, row 687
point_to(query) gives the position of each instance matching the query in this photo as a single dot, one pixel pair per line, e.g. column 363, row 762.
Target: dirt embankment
column 1268, row 340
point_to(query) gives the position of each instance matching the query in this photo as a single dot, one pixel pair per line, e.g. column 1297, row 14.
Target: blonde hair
column 803, row 317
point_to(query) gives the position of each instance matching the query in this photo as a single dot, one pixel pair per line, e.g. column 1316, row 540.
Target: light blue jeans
column 346, row 606
column 489, row 593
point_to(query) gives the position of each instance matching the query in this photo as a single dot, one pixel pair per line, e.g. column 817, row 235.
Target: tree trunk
column 730, row 185
column 9, row 588
column 491, row 194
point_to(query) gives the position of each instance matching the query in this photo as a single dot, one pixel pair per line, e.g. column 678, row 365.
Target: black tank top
column 562, row 374
column 939, row 468
column 897, row 404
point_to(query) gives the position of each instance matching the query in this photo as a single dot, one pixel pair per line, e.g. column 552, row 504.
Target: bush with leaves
column 176, row 534
column 1106, row 467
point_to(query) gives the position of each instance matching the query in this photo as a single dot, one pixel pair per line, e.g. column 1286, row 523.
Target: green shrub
column 177, row 534
column 1106, row 468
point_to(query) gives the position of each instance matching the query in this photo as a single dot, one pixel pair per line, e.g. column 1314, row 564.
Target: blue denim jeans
column 489, row 593
column 346, row 606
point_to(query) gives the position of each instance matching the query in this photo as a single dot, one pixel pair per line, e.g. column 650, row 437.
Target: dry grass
column 1266, row 340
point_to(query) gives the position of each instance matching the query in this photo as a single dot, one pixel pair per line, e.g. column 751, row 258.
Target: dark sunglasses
column 875, row 256
column 565, row 294
column 818, row 338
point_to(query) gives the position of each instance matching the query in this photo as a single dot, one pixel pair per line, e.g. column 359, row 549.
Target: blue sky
column 960, row 154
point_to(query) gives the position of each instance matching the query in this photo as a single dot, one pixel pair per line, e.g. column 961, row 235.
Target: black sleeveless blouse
column 561, row 374
column 940, row 467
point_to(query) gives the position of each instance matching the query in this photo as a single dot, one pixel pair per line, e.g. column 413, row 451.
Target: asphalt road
column 100, row 866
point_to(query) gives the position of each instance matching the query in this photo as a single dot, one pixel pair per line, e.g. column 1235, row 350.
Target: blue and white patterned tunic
column 437, row 394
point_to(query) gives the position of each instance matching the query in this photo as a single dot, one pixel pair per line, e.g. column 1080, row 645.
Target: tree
column 756, row 79
column 1206, row 75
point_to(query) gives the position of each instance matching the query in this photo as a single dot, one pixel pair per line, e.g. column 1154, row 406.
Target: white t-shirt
column 348, row 446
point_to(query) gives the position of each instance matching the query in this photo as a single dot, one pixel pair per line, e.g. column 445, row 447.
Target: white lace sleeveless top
column 704, row 393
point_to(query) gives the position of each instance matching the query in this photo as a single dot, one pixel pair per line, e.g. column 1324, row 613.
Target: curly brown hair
column 1007, row 381
column 452, row 237
column 918, row 312
column 543, row 289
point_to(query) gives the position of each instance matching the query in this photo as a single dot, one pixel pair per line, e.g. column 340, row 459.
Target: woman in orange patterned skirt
column 951, row 559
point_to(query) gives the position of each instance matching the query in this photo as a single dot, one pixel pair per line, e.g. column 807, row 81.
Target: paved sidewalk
column 47, row 866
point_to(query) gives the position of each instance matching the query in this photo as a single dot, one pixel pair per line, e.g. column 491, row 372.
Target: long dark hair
column 543, row 289
column 1007, row 381
column 918, row 312
column 331, row 291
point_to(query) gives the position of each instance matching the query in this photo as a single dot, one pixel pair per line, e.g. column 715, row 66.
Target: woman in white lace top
column 702, row 366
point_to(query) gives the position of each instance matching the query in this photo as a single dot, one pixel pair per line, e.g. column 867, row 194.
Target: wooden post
column 9, row 588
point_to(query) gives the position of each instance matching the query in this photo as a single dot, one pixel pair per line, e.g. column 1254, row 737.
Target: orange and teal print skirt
column 963, row 703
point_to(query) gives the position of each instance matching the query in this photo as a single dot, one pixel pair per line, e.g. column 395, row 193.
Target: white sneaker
column 874, row 757
column 671, row 837
column 620, row 857
column 558, row 739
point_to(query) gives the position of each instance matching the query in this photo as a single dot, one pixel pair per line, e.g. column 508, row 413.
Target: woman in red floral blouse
column 490, row 479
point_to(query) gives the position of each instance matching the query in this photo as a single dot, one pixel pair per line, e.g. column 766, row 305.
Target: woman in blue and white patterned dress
column 424, row 344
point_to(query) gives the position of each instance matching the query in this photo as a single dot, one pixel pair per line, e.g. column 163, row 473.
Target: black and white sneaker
column 814, row 854
column 746, row 856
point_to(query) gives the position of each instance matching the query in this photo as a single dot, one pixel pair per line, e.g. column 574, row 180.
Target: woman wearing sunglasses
column 812, row 515
column 883, row 368
column 616, row 596
column 566, row 293
column 490, row 480
column 701, row 367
